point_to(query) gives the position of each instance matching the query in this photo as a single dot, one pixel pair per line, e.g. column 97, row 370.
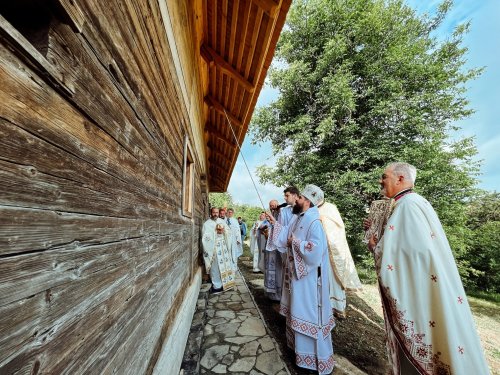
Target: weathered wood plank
column 57, row 229
column 68, row 304
column 61, row 124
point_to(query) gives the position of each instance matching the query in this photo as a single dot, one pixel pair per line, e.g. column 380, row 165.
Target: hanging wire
column 244, row 161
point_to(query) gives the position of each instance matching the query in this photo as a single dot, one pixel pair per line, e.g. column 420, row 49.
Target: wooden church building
column 114, row 127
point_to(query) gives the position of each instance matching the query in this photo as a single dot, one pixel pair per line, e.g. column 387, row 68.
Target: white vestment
column 428, row 319
column 342, row 275
column 305, row 300
column 237, row 249
column 254, row 245
column 217, row 254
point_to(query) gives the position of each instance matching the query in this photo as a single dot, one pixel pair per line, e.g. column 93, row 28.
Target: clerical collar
column 402, row 193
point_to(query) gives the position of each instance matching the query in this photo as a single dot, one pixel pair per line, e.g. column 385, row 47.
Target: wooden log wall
column 95, row 252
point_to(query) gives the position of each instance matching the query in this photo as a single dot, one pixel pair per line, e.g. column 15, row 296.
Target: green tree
column 220, row 200
column 248, row 213
column 484, row 255
column 362, row 83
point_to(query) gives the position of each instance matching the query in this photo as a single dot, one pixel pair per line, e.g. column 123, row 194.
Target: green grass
column 488, row 296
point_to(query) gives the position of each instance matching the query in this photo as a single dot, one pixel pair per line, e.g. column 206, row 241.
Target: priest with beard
column 305, row 301
column 217, row 242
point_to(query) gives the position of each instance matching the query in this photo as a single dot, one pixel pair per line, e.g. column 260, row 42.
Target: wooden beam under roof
column 224, row 140
column 212, row 130
column 212, row 57
column 268, row 6
column 213, row 165
column 213, row 103
column 216, row 152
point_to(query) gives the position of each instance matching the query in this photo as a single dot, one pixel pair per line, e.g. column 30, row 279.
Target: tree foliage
column 248, row 213
column 363, row 83
column 483, row 219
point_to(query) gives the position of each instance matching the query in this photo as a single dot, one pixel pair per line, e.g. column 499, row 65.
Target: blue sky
column 483, row 42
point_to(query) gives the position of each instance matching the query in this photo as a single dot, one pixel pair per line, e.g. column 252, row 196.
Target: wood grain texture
column 95, row 254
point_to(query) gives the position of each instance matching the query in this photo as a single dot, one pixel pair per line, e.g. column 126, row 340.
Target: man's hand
column 270, row 217
column 373, row 242
column 367, row 223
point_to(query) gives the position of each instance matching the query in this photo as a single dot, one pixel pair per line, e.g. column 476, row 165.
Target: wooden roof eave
column 228, row 117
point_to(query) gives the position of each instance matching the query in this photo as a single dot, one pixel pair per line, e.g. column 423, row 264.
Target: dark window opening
column 32, row 18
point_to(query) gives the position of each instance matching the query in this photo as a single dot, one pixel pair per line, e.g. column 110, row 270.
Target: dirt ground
column 358, row 340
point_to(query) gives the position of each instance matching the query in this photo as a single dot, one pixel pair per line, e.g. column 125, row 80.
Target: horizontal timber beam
column 213, row 103
column 212, row 57
column 268, row 6
column 215, row 134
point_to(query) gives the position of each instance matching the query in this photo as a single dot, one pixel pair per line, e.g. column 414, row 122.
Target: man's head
column 397, row 177
column 222, row 213
column 302, row 204
column 291, row 195
column 230, row 212
column 306, row 198
column 273, row 205
column 262, row 216
column 214, row 213
column 239, row 219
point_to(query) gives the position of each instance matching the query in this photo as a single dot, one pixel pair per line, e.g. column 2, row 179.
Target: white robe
column 426, row 311
column 342, row 275
column 217, row 254
column 254, row 245
column 305, row 300
column 237, row 248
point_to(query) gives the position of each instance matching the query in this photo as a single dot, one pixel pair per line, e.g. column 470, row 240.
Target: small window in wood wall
column 31, row 19
column 188, row 180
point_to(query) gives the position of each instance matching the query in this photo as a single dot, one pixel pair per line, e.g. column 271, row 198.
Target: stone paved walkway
column 235, row 340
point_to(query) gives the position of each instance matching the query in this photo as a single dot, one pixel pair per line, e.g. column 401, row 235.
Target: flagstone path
column 235, row 340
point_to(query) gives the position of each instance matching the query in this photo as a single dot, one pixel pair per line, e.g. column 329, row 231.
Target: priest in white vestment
column 430, row 328
column 305, row 300
column 217, row 256
column 233, row 224
column 254, row 243
column 343, row 275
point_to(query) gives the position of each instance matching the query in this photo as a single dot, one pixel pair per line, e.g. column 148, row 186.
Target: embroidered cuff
column 298, row 260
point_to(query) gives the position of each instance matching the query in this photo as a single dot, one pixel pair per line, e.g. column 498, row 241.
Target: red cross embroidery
column 432, row 323
column 434, row 278
column 390, row 267
column 391, row 227
column 460, row 300
column 461, row 350
column 433, row 235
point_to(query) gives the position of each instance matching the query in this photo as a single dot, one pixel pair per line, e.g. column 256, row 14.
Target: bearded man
column 217, row 242
column 430, row 329
column 305, row 301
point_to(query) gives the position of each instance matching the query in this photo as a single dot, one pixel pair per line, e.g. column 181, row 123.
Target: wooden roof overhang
column 238, row 41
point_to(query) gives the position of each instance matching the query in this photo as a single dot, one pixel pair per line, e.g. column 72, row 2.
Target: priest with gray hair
column 428, row 321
